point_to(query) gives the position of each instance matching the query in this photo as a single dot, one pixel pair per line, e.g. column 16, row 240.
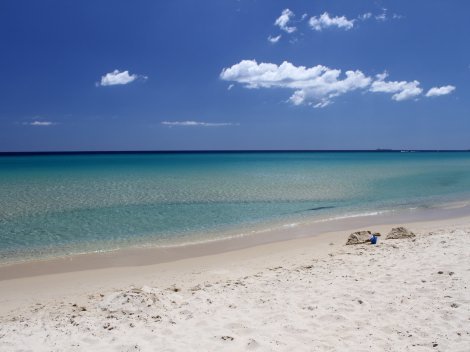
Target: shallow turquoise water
column 60, row 204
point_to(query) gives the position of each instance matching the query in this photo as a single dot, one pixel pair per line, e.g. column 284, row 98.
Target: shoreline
column 311, row 292
column 71, row 277
column 265, row 234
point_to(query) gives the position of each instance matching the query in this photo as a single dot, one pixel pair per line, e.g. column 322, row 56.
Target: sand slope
column 401, row 295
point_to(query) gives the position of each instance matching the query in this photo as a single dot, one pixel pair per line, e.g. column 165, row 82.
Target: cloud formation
column 401, row 90
column 365, row 16
column 325, row 21
column 39, row 123
column 283, row 21
column 438, row 91
column 274, row 40
column 315, row 85
column 118, row 78
column 383, row 16
column 197, row 124
column 318, row 85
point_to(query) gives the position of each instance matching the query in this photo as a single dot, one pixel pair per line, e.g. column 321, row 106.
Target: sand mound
column 399, row 232
column 359, row 237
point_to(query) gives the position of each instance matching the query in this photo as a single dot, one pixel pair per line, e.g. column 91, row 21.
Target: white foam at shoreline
column 358, row 215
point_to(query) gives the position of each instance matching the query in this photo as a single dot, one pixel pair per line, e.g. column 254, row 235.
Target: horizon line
column 202, row 151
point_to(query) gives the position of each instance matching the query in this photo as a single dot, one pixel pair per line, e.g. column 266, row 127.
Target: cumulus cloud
column 274, row 40
column 402, row 90
column 438, row 91
column 314, row 85
column 39, row 123
column 197, row 124
column 318, row 85
column 283, row 21
column 325, row 21
column 118, row 78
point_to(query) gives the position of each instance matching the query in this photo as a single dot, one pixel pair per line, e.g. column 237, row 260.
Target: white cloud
column 197, row 124
column 322, row 104
column 325, row 21
column 438, row 91
column 365, row 16
column 283, row 21
column 230, row 86
column 401, row 90
column 318, row 85
column 383, row 16
column 274, row 39
column 118, row 78
column 314, row 85
column 39, row 123
column 381, row 76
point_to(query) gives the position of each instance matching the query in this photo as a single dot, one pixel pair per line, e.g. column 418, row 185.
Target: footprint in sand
column 252, row 344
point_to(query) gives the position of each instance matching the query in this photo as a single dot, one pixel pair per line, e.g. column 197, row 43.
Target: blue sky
column 188, row 75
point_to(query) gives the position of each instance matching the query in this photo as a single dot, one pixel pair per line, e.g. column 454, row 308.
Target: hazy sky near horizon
column 247, row 74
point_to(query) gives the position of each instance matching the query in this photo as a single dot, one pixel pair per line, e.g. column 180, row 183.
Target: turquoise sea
column 54, row 205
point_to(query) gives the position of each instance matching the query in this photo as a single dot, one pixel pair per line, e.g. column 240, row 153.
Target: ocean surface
column 55, row 205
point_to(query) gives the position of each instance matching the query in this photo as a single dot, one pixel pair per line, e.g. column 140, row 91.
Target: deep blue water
column 61, row 204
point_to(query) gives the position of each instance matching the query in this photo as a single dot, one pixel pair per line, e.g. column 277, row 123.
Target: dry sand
column 309, row 294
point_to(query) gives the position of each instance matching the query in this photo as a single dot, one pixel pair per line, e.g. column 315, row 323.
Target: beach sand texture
column 400, row 295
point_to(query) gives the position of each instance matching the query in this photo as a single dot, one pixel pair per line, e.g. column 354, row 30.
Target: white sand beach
column 308, row 294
